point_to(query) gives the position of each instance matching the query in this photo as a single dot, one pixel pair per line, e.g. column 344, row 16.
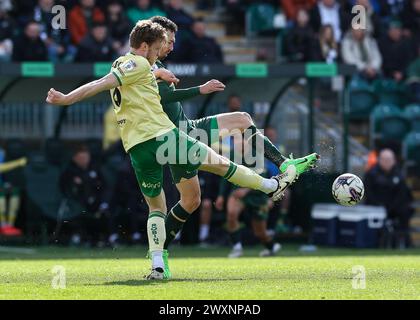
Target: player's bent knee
column 190, row 204
column 246, row 119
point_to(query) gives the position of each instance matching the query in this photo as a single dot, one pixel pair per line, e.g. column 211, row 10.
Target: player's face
column 153, row 51
column 168, row 47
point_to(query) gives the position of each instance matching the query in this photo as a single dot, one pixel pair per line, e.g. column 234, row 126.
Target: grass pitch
column 207, row 274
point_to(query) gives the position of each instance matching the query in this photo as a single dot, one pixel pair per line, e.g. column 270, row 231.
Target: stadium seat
column 390, row 92
column 411, row 148
column 412, row 113
column 259, row 18
column 362, row 100
column 388, row 123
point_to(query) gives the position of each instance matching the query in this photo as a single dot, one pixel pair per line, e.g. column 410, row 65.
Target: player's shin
column 157, row 235
column 174, row 223
column 247, row 178
column 270, row 150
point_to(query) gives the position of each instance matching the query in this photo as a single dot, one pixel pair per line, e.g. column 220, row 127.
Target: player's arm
column 11, row 165
column 90, row 89
column 168, row 96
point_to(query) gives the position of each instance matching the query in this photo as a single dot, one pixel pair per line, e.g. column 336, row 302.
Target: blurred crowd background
column 385, row 53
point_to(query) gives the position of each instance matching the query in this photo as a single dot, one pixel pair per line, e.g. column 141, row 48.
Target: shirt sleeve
column 168, row 96
column 131, row 71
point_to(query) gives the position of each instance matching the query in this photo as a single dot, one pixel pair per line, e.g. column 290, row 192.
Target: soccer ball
column 348, row 189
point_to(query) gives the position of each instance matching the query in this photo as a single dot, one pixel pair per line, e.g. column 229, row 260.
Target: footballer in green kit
column 152, row 140
column 215, row 127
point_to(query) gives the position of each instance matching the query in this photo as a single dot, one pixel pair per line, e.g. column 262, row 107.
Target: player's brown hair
column 146, row 31
column 165, row 22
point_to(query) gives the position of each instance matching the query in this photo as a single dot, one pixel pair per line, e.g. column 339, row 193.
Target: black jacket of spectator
column 119, row 30
column 7, row 26
column 90, row 50
column 396, row 56
column 411, row 21
column 180, row 17
column 88, row 187
column 201, row 50
column 389, row 190
column 299, row 43
column 25, row 49
column 315, row 19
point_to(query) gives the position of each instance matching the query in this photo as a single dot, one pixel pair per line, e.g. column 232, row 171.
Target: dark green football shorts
column 210, row 128
column 176, row 148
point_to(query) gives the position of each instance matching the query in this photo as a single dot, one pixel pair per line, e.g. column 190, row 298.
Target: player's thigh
column 206, row 130
column 148, row 171
column 231, row 121
column 215, row 163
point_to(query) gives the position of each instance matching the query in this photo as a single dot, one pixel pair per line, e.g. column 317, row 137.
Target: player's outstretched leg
column 243, row 121
column 245, row 177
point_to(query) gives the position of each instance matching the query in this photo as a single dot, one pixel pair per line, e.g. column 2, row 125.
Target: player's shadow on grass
column 142, row 282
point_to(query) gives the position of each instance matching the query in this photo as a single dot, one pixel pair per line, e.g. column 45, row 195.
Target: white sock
column 157, row 260
column 237, row 246
column 204, row 231
column 269, row 185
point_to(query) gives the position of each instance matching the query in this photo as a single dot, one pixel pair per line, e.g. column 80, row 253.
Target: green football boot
column 302, row 164
column 166, row 272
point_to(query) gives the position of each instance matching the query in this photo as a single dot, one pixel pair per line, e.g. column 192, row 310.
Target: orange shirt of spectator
column 372, row 160
column 291, row 7
column 78, row 25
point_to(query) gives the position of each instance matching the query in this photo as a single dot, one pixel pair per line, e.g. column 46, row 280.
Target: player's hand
column 23, row 161
column 166, row 75
column 220, row 202
column 212, row 86
column 57, row 98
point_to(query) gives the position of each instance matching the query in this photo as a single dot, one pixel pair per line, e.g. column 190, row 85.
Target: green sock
column 235, row 236
column 270, row 150
column 174, row 223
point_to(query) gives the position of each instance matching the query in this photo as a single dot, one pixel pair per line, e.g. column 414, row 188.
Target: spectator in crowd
column 143, row 10
column 7, row 26
column 97, row 46
column 57, row 40
column 396, row 52
column 292, row 7
column 235, row 11
column 372, row 19
column 178, row 15
column 200, row 48
column 126, row 201
column 391, row 9
column 82, row 182
column 299, row 39
column 361, row 50
column 29, row 46
column 413, row 77
column 410, row 18
column 332, row 13
column 385, row 186
column 325, row 48
column 119, row 26
column 81, row 19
